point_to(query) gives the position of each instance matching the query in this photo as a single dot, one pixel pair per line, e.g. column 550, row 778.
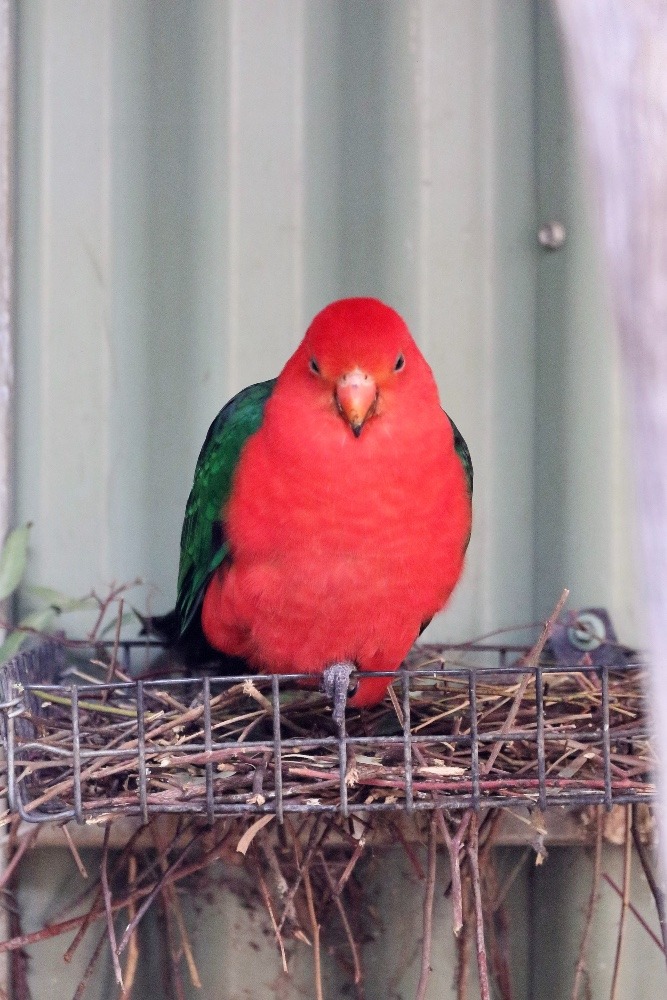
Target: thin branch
column 84, row 922
column 172, row 902
column 24, row 844
column 531, row 661
column 176, row 979
column 276, row 930
column 343, row 919
column 350, row 866
column 656, row 891
column 473, row 856
column 133, row 947
column 627, row 863
column 90, row 967
column 454, row 848
column 463, row 960
column 590, row 909
column 314, row 841
column 429, row 893
column 74, row 851
column 114, row 653
column 129, row 930
column 175, row 874
column 106, row 894
column 634, row 911
column 315, row 927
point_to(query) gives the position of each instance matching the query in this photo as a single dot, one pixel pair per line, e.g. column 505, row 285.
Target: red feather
column 342, row 545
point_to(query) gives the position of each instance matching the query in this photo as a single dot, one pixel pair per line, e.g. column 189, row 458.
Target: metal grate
column 182, row 773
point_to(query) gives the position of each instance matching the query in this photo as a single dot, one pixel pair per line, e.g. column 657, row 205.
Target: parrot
column 330, row 510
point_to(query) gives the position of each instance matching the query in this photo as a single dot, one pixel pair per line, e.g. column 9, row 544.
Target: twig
column 463, row 959
column 429, row 893
column 510, row 879
column 410, row 853
column 104, row 603
column 276, row 930
column 634, row 911
column 315, row 927
column 175, row 874
column 530, row 662
column 18, row 961
column 656, row 891
column 90, row 967
column 395, row 704
column 172, row 902
column 454, row 848
column 107, row 906
column 627, row 863
column 343, row 919
column 590, row 909
column 90, row 915
column 472, row 851
column 350, row 866
column 74, row 852
column 314, row 842
column 23, row 845
column 175, row 980
column 133, row 947
column 171, row 973
column 154, row 892
column 114, row 653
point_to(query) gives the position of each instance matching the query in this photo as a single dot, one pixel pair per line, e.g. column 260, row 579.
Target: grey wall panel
column 221, row 172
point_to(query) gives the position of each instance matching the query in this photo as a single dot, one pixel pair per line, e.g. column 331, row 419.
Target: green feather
column 203, row 542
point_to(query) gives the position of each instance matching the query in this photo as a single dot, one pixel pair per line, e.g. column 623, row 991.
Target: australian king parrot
column 330, row 510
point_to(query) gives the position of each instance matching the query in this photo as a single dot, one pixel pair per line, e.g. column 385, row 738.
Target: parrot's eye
column 400, row 363
column 314, row 367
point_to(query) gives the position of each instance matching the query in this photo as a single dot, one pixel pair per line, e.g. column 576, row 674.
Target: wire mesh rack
column 454, row 735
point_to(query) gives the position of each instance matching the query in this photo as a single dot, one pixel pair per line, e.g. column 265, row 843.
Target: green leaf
column 38, row 621
column 13, row 560
column 61, row 602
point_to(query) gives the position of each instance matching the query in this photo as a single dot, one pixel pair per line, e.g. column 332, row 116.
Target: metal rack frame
column 542, row 790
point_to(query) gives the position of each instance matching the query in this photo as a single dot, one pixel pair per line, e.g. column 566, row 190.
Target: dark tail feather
column 167, row 627
column 190, row 650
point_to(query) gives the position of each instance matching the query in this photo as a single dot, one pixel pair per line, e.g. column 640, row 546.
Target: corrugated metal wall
column 196, row 179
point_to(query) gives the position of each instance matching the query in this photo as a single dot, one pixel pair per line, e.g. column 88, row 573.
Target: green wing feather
column 203, row 542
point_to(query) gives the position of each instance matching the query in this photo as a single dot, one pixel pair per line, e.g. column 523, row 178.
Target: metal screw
column 551, row 235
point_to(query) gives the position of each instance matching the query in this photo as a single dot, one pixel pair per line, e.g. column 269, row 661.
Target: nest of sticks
column 453, row 745
column 196, row 746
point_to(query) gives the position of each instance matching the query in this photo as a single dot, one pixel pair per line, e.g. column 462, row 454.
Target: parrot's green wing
column 203, row 541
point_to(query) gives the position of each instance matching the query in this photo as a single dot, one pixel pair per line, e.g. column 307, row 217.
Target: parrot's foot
column 336, row 683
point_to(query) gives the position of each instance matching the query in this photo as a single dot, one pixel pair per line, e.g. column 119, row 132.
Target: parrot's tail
column 166, row 628
column 189, row 649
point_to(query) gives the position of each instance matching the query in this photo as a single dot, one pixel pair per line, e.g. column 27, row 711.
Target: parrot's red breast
column 350, row 507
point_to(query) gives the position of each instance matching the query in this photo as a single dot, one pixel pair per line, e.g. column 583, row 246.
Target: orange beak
column 356, row 398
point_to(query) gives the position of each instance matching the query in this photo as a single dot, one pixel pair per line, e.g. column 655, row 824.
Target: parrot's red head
column 357, row 357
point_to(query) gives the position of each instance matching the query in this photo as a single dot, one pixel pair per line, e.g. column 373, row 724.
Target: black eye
column 400, row 363
column 314, row 367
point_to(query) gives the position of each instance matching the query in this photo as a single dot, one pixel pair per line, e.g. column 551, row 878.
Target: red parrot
column 331, row 507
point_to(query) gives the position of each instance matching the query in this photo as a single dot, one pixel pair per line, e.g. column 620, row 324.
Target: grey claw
column 336, row 683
